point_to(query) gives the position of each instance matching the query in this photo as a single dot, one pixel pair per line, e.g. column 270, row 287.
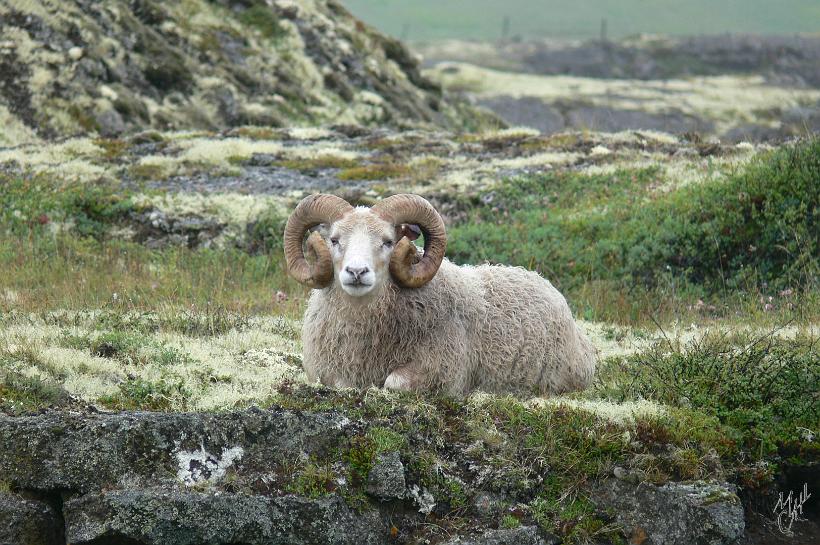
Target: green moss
column 379, row 171
column 319, row 162
column 140, row 394
column 261, row 17
column 147, row 171
column 386, row 440
column 509, row 522
column 112, row 148
column 360, row 457
column 313, row 481
column 257, row 133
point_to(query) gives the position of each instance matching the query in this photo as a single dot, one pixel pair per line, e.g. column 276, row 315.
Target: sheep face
column 361, row 244
column 366, row 247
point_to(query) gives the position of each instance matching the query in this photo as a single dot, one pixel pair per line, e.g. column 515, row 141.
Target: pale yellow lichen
column 726, row 100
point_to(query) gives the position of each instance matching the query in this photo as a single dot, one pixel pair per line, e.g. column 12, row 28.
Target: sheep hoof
column 398, row 381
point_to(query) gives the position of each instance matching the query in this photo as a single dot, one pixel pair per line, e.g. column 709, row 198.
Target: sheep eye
column 388, row 243
column 334, row 241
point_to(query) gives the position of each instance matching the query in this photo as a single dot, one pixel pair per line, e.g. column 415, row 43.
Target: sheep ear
column 412, row 232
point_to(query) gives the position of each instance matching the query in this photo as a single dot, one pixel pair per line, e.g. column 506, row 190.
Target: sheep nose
column 357, row 271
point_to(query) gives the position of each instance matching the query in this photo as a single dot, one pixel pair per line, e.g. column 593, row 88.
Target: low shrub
column 758, row 229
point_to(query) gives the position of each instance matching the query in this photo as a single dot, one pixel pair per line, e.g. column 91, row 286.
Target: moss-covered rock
column 28, row 522
column 165, row 517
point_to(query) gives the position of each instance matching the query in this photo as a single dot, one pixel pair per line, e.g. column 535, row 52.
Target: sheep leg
column 401, row 379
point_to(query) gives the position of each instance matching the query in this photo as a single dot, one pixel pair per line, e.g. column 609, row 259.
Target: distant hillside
column 120, row 66
column 484, row 19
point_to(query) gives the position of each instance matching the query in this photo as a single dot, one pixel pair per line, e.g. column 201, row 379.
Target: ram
column 383, row 313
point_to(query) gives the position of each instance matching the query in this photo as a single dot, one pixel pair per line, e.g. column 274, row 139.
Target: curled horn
column 312, row 211
column 416, row 210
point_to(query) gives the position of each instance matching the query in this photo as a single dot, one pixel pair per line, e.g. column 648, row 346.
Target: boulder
column 28, row 522
column 172, row 517
column 84, row 452
column 386, row 478
column 523, row 535
column 696, row 513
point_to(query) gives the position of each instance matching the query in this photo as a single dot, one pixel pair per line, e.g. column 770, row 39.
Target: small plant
column 360, row 457
column 314, row 481
column 510, row 522
column 140, row 394
column 386, row 440
column 20, row 393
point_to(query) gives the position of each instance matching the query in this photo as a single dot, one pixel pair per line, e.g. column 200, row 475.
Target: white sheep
column 382, row 314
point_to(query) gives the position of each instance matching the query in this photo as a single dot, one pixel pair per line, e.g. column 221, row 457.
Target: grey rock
column 696, row 513
column 27, row 522
column 486, row 504
column 258, row 178
column 753, row 132
column 156, row 229
column 167, row 517
column 386, row 478
column 523, row 535
column 526, row 111
column 110, row 123
column 602, row 118
column 86, row 452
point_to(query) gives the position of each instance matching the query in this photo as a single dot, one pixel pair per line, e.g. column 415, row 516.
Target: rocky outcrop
column 281, row 476
column 696, row 513
column 162, row 517
column 524, row 535
column 28, row 522
column 116, row 67
column 83, row 453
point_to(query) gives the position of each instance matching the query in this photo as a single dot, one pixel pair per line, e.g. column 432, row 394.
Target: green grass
column 65, row 272
column 21, row 394
column 620, row 256
column 140, row 394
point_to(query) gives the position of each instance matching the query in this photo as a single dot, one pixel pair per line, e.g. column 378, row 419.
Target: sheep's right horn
column 414, row 210
column 312, row 211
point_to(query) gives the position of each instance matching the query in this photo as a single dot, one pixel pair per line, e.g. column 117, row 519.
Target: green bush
column 758, row 229
column 764, row 390
column 265, row 235
column 31, row 202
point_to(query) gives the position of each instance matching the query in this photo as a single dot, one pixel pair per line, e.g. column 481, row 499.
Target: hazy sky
column 484, row 19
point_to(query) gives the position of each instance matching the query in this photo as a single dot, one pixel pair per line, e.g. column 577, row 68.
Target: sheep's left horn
column 414, row 210
column 312, row 211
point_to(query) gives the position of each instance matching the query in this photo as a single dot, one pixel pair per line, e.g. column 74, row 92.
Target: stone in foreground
column 27, row 522
column 524, row 535
column 165, row 517
column 696, row 513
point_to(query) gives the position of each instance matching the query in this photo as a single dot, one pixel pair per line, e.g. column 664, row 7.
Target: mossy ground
column 87, row 317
